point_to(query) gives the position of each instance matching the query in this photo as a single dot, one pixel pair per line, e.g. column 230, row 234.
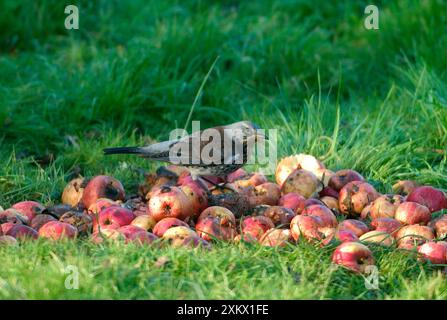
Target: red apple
column 325, row 214
column 343, row 177
column 99, row 205
column 293, row 201
column 29, row 208
column 410, row 236
column 113, row 217
column 141, row 238
column 385, row 206
column 225, row 216
column 345, row 235
column 356, row 226
column 440, row 226
column 311, row 228
column 354, row 256
column 196, row 195
column 433, row 199
column 211, row 228
column 378, row 237
column 102, row 187
column 176, row 236
column 20, row 231
column 435, row 252
column 239, row 174
column 404, row 187
column 170, row 202
column 256, row 226
column 355, row 196
column 253, row 180
column 166, row 223
column 39, row 220
column 146, row 222
column 388, row 225
column 73, row 192
column 331, row 203
column 302, row 182
column 412, row 213
column 129, row 229
column 276, row 238
column 57, row 230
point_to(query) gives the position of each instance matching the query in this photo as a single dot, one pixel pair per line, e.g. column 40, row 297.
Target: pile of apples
column 308, row 202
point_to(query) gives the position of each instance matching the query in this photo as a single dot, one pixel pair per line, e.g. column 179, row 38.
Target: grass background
column 371, row 100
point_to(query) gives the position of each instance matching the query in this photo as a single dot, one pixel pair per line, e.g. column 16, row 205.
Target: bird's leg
column 220, row 186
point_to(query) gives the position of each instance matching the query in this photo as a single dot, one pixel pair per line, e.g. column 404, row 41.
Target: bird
column 216, row 151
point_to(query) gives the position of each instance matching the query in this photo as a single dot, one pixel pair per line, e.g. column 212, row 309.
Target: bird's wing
column 158, row 151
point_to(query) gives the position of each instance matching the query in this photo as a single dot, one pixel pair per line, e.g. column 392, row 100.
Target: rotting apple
column 267, row 193
column 385, row 206
column 56, row 230
column 356, row 226
column 404, row 187
column 196, row 195
column 354, row 256
column 20, row 231
column 293, row 201
column 165, row 224
column 236, row 175
column 343, row 177
column 311, row 228
column 331, row 203
column 238, row 203
column 225, row 216
column 253, row 179
column 170, row 202
column 147, row 222
column 440, row 226
column 435, row 252
column 302, row 182
column 328, row 192
column 113, row 217
column 99, row 205
column 29, row 208
column 324, row 213
column 102, row 187
column 378, row 237
column 388, row 225
column 433, row 199
column 412, row 213
column 355, row 196
column 7, row 240
column 176, row 236
column 276, row 238
column 345, row 235
column 107, row 234
column 194, row 241
column 80, row 220
column 256, row 226
column 39, row 220
column 413, row 235
column 73, row 192
column 280, row 216
column 210, row 228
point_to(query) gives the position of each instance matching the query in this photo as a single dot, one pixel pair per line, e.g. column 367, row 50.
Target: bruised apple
column 413, row 235
column 440, row 226
column 102, row 187
column 39, row 220
column 354, row 256
column 385, row 206
column 267, row 193
column 170, row 202
column 163, row 225
column 7, row 240
column 404, row 187
column 73, row 192
column 331, row 203
column 343, row 177
column 412, row 213
column 225, row 216
column 99, row 205
column 253, row 180
column 176, row 236
column 433, row 199
column 113, row 217
column 435, row 252
column 256, row 226
column 197, row 196
column 210, row 228
column 280, row 216
column 293, row 201
column 57, row 230
column 345, row 235
column 80, row 220
column 324, row 213
column 355, row 196
column 388, row 225
column 355, row 226
column 107, row 234
column 311, row 228
column 20, row 231
column 29, row 208
column 146, row 222
column 276, row 238
column 378, row 237
column 303, row 182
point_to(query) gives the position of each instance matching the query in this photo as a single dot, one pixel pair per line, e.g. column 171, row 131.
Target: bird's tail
column 123, row 150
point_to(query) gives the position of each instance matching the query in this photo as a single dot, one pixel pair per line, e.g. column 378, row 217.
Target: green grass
column 375, row 101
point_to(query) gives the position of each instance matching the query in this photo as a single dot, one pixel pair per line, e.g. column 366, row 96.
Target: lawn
column 371, row 100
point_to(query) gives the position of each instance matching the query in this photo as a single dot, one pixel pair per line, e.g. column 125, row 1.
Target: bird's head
column 249, row 131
